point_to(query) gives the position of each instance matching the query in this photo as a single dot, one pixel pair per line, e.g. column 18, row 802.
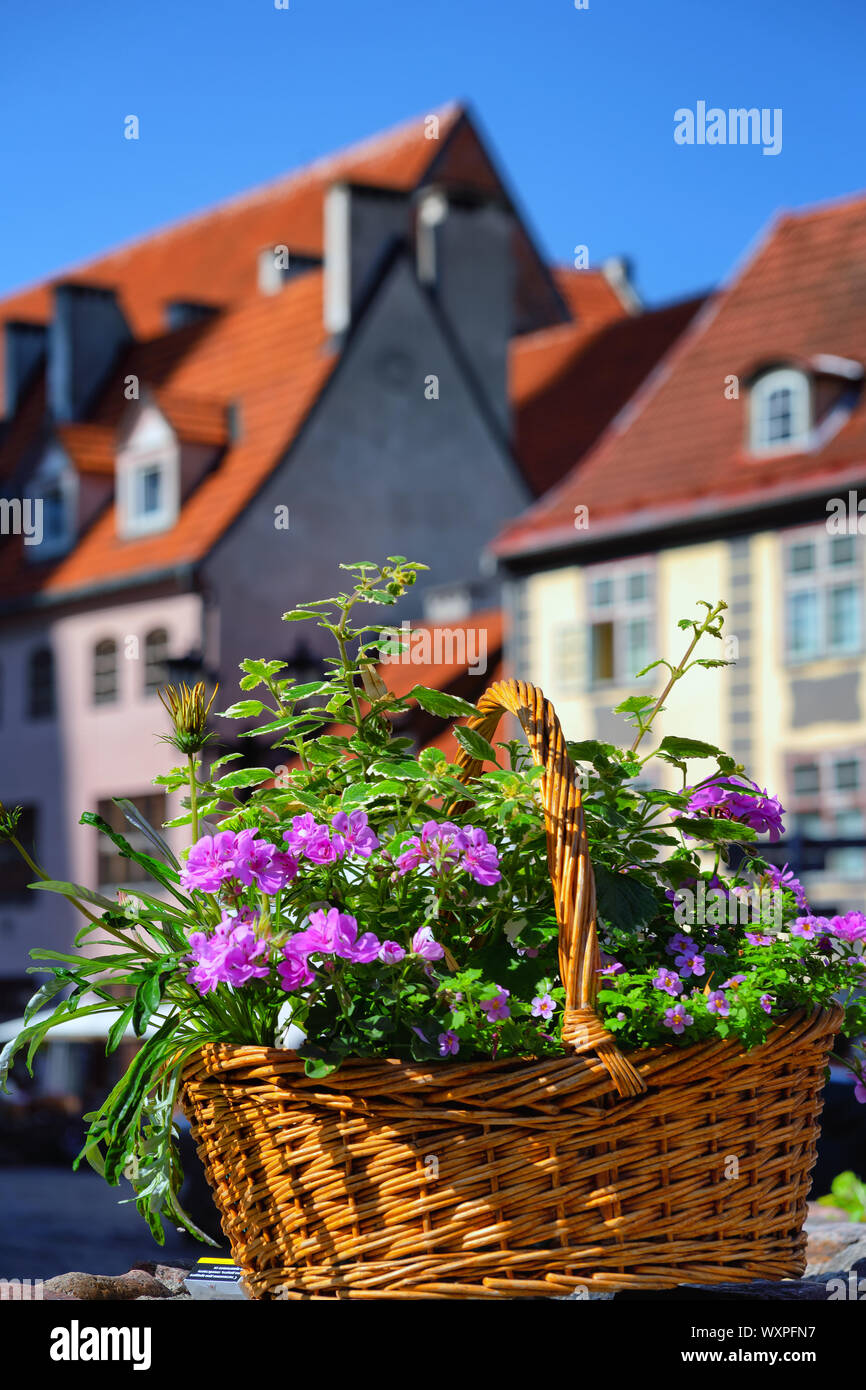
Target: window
column 846, row 773
column 780, row 411
column 112, row 868
column 105, row 672
column 148, row 475
column 155, row 658
column 40, row 684
column 806, row 778
column 54, row 492
column 823, row 596
column 15, row 874
column 621, row 622
column 827, row 800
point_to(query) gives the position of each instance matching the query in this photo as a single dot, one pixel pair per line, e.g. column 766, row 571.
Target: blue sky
column 579, row 105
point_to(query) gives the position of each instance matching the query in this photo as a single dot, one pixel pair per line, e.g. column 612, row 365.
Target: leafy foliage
column 461, row 917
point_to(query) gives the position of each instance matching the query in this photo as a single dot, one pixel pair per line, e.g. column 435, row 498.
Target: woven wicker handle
column 570, row 869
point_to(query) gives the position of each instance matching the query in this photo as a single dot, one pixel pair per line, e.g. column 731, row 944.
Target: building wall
column 379, row 470
column 86, row 754
column 765, row 711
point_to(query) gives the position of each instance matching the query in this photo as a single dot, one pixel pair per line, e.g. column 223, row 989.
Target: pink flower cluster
column 323, row 844
column 240, row 858
column 443, row 845
column 333, row 933
column 850, row 928
column 233, row 955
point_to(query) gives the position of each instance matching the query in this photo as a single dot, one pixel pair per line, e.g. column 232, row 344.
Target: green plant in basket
column 365, row 900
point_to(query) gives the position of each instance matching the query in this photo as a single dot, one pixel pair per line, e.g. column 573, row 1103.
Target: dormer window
column 780, row 411
column 54, row 497
column 148, row 476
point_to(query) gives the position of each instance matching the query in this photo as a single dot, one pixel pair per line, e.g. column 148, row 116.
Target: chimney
column 87, row 333
column 24, row 349
column 465, row 253
column 362, row 225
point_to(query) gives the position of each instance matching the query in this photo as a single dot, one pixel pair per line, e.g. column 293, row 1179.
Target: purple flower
column 311, row 840
column 677, row 1019
column 742, row 801
column 756, row 938
column 352, row 834
column 669, row 981
column 294, row 972
column 333, row 933
column 850, row 928
column 210, row 862
column 784, row 878
column 717, row 1003
column 497, row 1007
column 543, row 1006
column 261, row 863
column 449, row 1043
column 233, row 955
column 437, row 848
column 690, row 963
column 480, row 859
column 734, row 982
column 391, row 952
column 609, row 966
column 425, row 945
column 766, row 1002
column 808, row 927
column 860, row 1087
column 678, row 943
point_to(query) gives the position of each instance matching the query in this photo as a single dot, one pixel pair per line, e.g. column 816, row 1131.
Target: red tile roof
column 679, row 451
column 270, row 356
column 569, row 382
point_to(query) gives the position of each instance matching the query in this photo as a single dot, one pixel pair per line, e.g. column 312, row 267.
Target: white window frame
column 820, row 581
column 791, row 379
column 151, row 445
column 620, row 611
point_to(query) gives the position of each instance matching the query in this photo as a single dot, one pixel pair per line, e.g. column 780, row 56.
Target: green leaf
column 589, row 750
column 624, row 901
column 135, row 817
column 687, row 747
column 432, row 759
column 475, row 744
column 75, row 890
column 635, row 704
column 319, row 1067
column 717, row 831
column 153, row 867
column 244, row 777
column 243, row 709
column 298, row 615
column 402, row 768
column 438, row 702
column 362, row 793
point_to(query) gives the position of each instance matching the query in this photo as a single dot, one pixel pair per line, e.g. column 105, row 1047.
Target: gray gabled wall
column 379, row 469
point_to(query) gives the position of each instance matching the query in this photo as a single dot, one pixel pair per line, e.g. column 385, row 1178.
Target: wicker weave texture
column 395, row 1180
column 517, row 1178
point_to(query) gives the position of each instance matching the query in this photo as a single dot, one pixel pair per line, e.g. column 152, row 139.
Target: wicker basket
column 513, row 1178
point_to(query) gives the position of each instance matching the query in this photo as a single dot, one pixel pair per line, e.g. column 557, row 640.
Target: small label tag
column 216, row 1279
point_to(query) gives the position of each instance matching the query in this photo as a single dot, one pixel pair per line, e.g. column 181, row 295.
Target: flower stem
column 193, row 796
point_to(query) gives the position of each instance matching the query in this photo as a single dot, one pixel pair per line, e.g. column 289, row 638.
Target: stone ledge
column 836, row 1250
